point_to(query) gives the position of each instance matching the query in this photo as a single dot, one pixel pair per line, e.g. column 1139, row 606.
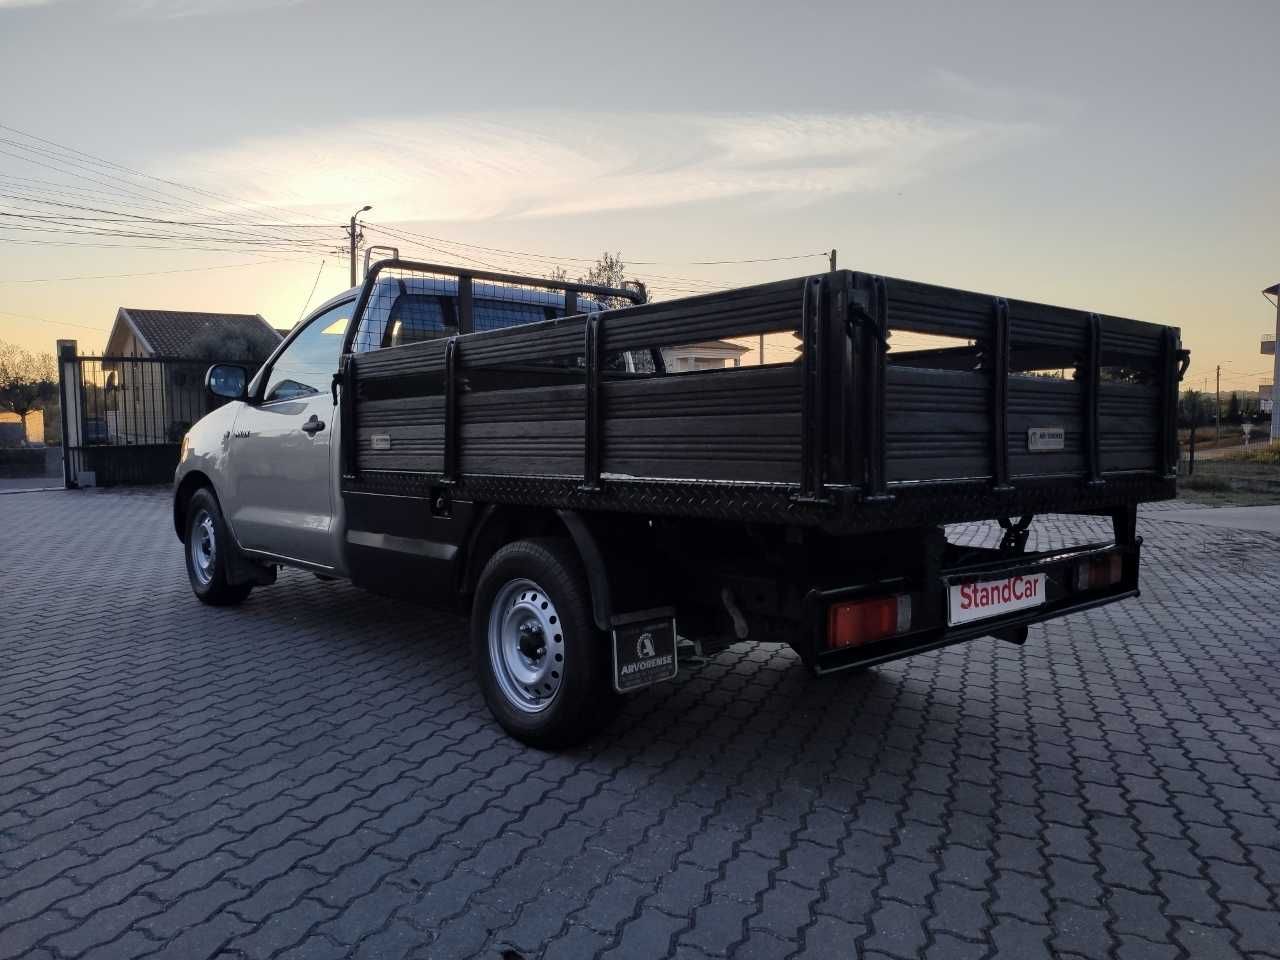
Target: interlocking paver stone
column 314, row 774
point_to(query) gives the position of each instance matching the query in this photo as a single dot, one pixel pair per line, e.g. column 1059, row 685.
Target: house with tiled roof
column 156, row 396
column 185, row 333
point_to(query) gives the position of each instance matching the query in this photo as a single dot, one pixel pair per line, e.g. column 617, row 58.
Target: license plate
column 991, row 598
column 644, row 651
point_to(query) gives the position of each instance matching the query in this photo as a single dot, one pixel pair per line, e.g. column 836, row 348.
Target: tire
column 206, row 544
column 541, row 662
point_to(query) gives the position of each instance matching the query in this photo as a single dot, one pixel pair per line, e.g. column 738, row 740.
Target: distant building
column 174, row 333
column 708, row 355
column 1269, row 350
column 1265, row 398
column 11, row 432
column 142, row 402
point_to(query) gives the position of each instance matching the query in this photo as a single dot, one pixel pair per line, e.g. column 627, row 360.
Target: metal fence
column 123, row 418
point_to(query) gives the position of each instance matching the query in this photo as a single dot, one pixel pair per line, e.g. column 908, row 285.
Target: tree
column 1233, row 408
column 249, row 348
column 608, row 271
column 1191, row 412
column 27, row 380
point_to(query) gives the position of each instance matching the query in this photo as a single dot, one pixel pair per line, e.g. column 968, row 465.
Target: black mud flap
column 644, row 649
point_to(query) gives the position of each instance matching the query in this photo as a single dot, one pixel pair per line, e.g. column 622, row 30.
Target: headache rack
column 858, row 402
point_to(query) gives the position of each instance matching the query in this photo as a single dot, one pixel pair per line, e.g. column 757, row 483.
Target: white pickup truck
column 545, row 454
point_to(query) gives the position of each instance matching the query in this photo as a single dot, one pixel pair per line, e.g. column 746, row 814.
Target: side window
column 416, row 317
column 489, row 314
column 309, row 362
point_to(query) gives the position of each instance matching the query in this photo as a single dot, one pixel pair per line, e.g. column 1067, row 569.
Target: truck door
column 282, row 445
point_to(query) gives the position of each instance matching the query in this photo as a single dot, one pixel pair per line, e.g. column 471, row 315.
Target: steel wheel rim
column 203, row 547
column 526, row 645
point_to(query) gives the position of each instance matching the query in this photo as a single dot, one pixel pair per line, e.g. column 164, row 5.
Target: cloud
column 166, row 9
column 964, row 93
column 174, row 9
column 558, row 163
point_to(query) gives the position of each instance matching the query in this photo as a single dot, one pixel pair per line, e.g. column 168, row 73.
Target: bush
column 1268, row 454
column 1207, row 483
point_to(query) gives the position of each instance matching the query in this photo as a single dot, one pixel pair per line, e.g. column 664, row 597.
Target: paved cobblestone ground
column 314, row 775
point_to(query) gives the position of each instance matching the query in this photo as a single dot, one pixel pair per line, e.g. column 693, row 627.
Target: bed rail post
column 347, row 416
column 813, row 410
column 592, row 433
column 877, row 490
column 1168, row 445
column 1093, row 377
column 451, row 432
column 466, row 302
column 1000, row 398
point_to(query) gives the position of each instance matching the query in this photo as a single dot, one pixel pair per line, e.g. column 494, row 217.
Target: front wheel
column 542, row 663
column 207, row 544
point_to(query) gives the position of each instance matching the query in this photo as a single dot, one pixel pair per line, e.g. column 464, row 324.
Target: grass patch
column 1263, row 454
column 1206, row 482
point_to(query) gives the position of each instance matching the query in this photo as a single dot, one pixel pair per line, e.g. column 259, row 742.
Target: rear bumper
column 930, row 629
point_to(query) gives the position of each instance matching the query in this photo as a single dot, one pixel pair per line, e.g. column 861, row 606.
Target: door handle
column 313, row 426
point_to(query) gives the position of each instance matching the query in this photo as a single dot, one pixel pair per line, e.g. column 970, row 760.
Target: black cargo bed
column 890, row 404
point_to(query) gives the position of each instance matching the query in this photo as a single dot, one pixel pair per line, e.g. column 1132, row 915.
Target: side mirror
column 228, row 381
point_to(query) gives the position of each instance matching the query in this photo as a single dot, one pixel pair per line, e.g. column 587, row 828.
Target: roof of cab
column 482, row 289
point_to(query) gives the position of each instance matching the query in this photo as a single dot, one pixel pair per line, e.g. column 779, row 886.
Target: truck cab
column 270, row 451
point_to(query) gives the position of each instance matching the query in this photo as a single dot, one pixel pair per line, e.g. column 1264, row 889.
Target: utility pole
column 1217, row 402
column 833, row 258
column 1195, row 424
column 354, row 240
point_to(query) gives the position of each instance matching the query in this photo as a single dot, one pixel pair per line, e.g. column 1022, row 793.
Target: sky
column 1115, row 157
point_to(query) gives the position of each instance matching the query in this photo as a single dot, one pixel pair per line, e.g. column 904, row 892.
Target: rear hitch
column 1014, row 635
column 1015, row 536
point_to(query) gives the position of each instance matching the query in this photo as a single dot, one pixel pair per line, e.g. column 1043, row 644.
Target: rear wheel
column 207, row 544
column 542, row 663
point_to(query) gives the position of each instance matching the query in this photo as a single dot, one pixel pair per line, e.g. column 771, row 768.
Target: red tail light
column 857, row 622
column 1099, row 572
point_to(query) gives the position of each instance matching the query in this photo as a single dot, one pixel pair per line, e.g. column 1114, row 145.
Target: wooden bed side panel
column 1046, row 403
column 735, row 424
column 937, row 424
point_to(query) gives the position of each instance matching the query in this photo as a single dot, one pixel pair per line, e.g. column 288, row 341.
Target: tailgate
column 979, row 387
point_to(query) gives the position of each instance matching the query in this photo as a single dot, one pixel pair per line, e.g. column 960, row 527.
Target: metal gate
column 123, row 418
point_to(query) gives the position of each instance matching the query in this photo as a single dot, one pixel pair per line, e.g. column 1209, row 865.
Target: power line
column 65, row 323
column 126, row 217
column 136, row 246
column 136, row 173
column 87, row 231
column 315, row 284
column 149, row 273
column 690, row 284
column 135, row 218
column 639, row 263
column 60, row 163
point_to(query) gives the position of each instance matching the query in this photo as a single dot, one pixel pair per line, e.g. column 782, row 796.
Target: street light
column 353, row 241
column 1269, row 292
